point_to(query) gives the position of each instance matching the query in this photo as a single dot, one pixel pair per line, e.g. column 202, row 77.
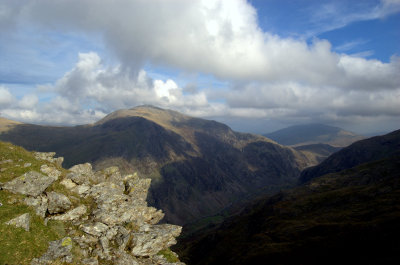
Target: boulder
column 31, row 183
column 59, row 249
column 40, row 204
column 158, row 238
column 96, row 229
column 68, row 183
column 21, row 221
column 57, row 202
column 49, row 156
column 50, row 171
column 71, row 215
column 80, row 174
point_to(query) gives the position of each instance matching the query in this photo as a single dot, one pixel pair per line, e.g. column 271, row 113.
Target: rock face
column 108, row 220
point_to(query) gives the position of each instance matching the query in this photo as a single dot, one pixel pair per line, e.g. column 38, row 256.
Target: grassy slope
column 16, row 245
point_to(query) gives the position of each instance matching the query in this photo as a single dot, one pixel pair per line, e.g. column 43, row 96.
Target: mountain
column 198, row 167
column 313, row 134
column 317, row 152
column 351, row 216
column 363, row 151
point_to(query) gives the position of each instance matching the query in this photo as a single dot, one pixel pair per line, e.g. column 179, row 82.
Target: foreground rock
column 107, row 220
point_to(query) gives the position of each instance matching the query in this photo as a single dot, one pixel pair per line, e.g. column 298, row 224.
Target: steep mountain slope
column 363, row 151
column 198, row 167
column 347, row 217
column 313, row 134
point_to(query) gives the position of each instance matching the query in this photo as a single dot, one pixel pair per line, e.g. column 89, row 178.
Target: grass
column 18, row 246
column 168, row 255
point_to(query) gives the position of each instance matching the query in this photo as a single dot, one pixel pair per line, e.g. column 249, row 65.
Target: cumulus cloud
column 267, row 75
column 90, row 90
column 221, row 38
column 6, row 98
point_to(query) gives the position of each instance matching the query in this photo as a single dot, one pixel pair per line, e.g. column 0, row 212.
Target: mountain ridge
column 198, row 166
column 314, row 133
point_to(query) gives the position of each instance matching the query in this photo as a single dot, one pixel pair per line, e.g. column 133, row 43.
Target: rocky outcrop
column 106, row 214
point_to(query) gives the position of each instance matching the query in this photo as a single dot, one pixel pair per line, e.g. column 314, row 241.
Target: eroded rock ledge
column 110, row 223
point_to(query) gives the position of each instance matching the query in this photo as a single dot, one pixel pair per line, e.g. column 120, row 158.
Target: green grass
column 18, row 246
column 168, row 255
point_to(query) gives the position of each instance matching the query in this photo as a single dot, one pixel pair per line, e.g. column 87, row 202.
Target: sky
column 255, row 65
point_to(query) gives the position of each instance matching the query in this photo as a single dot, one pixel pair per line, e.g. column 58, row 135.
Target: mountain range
column 198, row 167
column 307, row 134
column 345, row 211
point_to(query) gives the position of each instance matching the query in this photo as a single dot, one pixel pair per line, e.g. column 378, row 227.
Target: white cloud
column 266, row 75
column 6, row 98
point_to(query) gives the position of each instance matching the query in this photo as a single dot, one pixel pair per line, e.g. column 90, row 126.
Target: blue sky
column 256, row 65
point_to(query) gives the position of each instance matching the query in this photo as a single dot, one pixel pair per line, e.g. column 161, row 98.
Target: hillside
column 198, row 167
column 348, row 217
column 363, row 151
column 313, row 134
column 50, row 215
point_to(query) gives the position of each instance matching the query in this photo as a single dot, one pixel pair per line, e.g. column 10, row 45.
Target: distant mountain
column 199, row 167
column 348, row 217
column 314, row 134
column 375, row 148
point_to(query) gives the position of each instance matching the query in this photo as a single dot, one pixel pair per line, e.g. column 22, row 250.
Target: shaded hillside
column 317, row 152
column 350, row 217
column 367, row 150
column 313, row 134
column 198, row 166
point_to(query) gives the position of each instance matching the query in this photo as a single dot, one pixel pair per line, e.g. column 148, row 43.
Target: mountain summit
column 198, row 167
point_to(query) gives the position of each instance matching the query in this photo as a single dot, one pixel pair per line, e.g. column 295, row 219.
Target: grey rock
column 50, row 171
column 123, row 258
column 105, row 244
column 6, row 161
column 31, row 183
column 59, row 249
column 21, row 221
column 72, row 215
column 27, row 164
column 138, row 188
column 68, row 183
column 158, row 238
column 40, row 204
column 96, row 229
column 82, row 190
column 80, row 174
column 49, row 157
column 86, row 241
column 90, row 261
column 57, row 202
